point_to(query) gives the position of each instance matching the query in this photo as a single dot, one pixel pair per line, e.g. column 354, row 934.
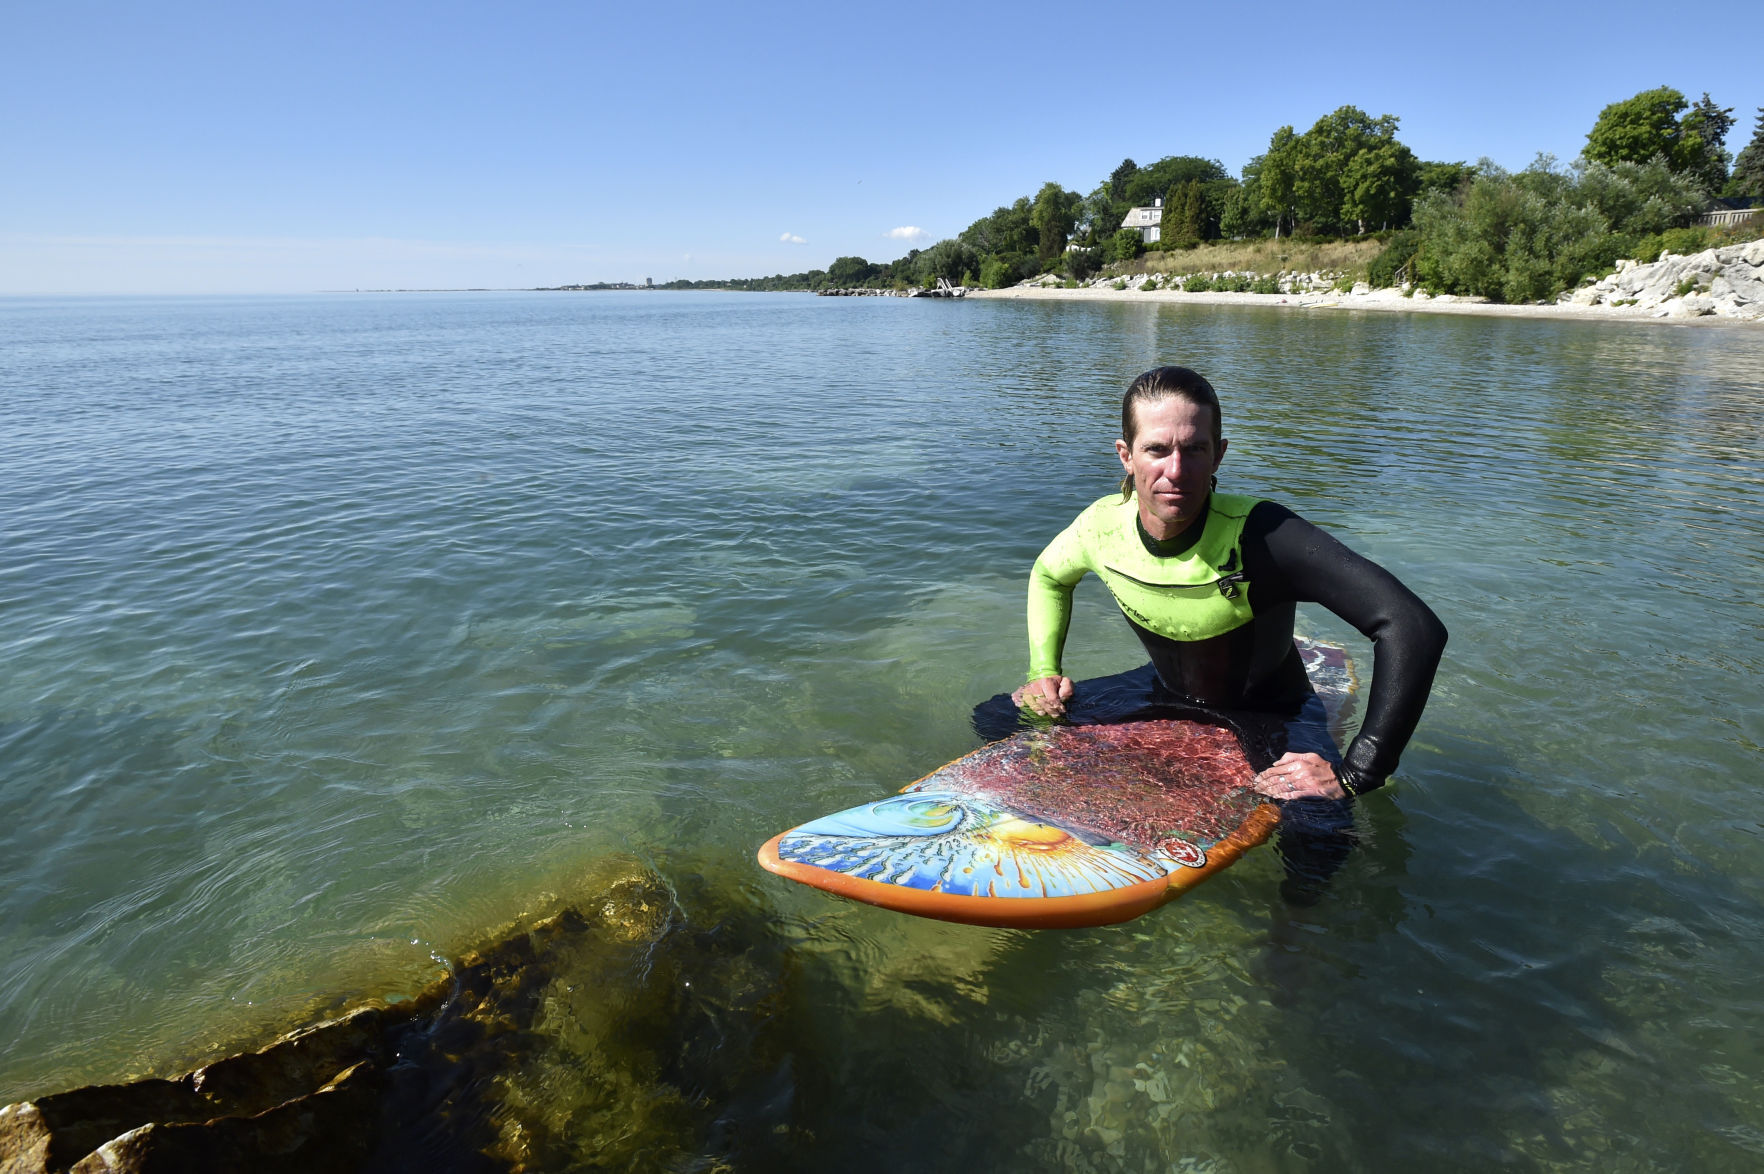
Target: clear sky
column 186, row 146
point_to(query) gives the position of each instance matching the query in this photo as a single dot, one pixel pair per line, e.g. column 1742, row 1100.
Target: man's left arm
column 1303, row 563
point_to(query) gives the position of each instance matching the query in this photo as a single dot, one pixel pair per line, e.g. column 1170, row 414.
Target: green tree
column 1708, row 124
column 1278, row 177
column 1184, row 219
column 1378, row 184
column 1350, row 171
column 1639, row 128
column 1007, row 237
column 1242, row 216
column 1006, row 231
column 1156, row 181
column 1443, row 177
column 1119, row 177
column 1747, row 179
column 1052, row 216
column 1215, row 197
column 900, row 272
column 947, row 259
column 1242, row 213
column 850, row 272
column 1097, row 219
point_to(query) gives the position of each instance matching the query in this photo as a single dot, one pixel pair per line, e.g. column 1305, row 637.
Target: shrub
column 1632, row 197
column 1528, row 236
column 1083, row 263
column 1198, row 283
column 1673, row 240
column 1265, row 285
column 1126, row 245
column 996, row 273
column 1397, row 257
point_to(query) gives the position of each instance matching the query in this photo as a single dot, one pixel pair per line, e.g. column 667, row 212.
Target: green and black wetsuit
column 1214, row 608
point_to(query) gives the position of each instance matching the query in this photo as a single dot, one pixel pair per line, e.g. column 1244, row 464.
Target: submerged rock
column 157, row 1124
column 619, row 1031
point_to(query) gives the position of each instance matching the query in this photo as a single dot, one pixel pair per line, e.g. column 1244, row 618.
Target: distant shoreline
column 1380, row 301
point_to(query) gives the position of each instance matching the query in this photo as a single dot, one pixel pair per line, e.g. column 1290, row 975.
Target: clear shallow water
column 339, row 630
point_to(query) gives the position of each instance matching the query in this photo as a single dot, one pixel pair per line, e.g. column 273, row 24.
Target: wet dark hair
column 1159, row 383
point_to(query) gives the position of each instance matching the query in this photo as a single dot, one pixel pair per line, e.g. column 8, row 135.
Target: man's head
column 1170, row 447
column 1161, row 382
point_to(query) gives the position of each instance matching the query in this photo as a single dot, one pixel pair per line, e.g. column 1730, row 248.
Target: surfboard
column 1057, row 827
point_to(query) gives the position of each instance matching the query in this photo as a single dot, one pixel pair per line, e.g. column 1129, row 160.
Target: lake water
column 339, row 631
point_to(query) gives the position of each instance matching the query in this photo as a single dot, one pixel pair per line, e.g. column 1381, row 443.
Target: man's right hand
column 1045, row 695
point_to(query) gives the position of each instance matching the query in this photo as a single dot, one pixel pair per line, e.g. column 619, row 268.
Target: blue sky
column 187, row 147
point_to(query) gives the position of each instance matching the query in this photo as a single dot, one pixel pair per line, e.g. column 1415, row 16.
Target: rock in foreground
column 574, row 1041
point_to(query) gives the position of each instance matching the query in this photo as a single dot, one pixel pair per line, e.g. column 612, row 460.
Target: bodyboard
column 1057, row 827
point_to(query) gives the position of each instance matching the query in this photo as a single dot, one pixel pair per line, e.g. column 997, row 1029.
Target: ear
column 1220, row 459
column 1125, row 453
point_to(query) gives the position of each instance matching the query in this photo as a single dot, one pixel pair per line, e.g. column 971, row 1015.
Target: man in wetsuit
column 1209, row 582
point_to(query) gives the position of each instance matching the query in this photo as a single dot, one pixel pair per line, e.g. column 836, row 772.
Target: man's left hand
column 1300, row 776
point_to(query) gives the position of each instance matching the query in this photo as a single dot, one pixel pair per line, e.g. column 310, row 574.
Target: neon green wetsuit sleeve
column 1051, row 581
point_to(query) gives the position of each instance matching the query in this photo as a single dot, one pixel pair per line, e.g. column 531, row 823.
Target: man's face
column 1172, row 463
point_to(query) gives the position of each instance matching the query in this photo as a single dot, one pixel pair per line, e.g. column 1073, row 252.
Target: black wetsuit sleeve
column 1287, row 559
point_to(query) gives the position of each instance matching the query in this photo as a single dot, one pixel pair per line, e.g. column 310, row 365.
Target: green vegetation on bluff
column 1651, row 164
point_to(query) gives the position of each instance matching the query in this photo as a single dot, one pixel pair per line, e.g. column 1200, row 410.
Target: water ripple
column 339, row 631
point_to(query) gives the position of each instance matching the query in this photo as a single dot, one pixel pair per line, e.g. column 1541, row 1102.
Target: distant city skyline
column 200, row 147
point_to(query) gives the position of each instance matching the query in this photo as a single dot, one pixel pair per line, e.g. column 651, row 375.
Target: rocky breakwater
column 1220, row 281
column 1724, row 283
column 943, row 290
column 636, row 1026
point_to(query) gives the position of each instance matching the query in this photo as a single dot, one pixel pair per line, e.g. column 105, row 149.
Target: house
column 1149, row 221
column 1724, row 213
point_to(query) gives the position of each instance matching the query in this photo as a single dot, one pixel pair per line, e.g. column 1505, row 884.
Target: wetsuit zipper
column 1228, row 584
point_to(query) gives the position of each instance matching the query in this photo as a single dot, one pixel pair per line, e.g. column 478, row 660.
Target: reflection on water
column 337, row 631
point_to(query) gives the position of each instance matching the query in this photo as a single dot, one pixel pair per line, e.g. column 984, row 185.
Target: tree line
column 1651, row 163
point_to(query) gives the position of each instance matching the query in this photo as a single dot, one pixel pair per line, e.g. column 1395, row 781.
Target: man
column 1209, row 582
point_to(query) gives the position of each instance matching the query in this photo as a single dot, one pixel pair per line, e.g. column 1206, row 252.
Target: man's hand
column 1300, row 776
column 1045, row 695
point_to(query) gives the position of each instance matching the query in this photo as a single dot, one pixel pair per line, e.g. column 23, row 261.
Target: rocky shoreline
column 864, row 291
column 1724, row 285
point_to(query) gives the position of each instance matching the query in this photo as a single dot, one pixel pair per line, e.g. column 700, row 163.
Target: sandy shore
column 1381, row 301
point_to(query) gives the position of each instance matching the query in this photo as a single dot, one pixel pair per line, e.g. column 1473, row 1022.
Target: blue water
column 340, row 630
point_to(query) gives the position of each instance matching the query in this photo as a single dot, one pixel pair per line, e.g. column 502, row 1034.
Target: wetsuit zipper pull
column 1228, row 582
